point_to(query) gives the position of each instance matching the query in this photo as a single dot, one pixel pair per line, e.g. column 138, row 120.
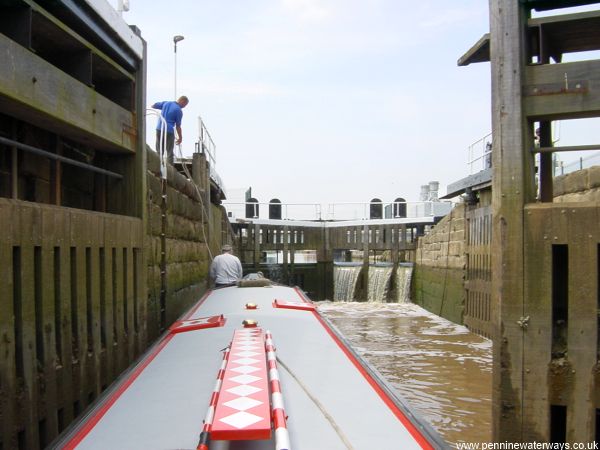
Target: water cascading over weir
column 379, row 281
column 384, row 285
column 403, row 279
column 345, row 276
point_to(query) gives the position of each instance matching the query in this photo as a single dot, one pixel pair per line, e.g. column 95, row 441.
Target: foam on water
column 440, row 368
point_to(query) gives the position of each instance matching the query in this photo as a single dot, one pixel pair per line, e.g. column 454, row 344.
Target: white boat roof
column 333, row 399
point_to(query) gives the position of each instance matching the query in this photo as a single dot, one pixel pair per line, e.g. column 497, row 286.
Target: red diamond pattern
column 243, row 410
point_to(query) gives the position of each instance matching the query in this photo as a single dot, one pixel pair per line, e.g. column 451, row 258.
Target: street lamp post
column 176, row 39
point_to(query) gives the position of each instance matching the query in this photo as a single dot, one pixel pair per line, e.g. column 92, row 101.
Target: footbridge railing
column 343, row 211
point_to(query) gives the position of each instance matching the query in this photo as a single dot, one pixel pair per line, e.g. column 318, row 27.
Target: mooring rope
column 319, row 405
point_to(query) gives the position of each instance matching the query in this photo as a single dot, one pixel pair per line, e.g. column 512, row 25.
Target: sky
column 323, row 101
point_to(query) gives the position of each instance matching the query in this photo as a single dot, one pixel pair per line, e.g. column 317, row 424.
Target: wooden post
column 286, row 251
column 14, row 171
column 545, row 174
column 511, row 190
column 10, row 325
column 292, row 265
column 327, row 265
column 256, row 247
column 142, row 191
column 365, row 270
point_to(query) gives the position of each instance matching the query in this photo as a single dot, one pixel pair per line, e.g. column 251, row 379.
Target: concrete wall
column 438, row 279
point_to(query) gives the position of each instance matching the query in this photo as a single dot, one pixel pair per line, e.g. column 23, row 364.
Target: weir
column 388, row 283
column 344, row 281
column 295, row 245
column 403, row 278
column 379, row 281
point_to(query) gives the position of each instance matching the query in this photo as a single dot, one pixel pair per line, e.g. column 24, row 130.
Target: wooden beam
column 562, row 91
column 511, row 190
column 45, row 95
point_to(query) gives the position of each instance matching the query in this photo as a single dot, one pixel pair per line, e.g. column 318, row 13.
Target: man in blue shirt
column 172, row 113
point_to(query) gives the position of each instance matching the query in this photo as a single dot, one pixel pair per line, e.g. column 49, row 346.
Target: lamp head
column 177, row 38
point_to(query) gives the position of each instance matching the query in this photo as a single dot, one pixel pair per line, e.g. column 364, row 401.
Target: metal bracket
column 566, row 87
column 523, row 322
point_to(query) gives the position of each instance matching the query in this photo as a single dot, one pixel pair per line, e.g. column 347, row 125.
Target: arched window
column 251, row 208
column 399, row 207
column 275, row 209
column 376, row 209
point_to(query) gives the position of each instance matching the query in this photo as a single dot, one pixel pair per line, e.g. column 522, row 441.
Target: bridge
column 299, row 243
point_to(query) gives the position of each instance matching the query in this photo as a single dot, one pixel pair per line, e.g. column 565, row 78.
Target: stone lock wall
column 180, row 233
column 580, row 186
column 438, row 283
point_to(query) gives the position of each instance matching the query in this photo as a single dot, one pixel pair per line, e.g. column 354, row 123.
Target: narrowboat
column 253, row 366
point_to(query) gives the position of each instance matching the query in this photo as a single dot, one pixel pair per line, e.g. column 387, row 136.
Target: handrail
column 480, row 150
column 162, row 141
column 206, row 143
column 567, row 148
column 335, row 211
column 54, row 156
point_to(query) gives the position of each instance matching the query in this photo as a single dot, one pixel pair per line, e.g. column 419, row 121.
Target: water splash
column 439, row 367
column 403, row 278
column 379, row 280
column 344, row 282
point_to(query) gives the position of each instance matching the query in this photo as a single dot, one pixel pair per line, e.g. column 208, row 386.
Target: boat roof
column 333, row 399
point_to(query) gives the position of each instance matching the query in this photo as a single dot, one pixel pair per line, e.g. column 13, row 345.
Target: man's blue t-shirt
column 172, row 113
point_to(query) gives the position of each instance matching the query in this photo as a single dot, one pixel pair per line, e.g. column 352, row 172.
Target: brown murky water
column 440, row 368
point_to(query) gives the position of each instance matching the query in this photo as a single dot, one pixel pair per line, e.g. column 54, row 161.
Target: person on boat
column 172, row 113
column 226, row 268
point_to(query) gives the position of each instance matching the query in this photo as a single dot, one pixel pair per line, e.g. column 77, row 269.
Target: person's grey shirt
column 226, row 269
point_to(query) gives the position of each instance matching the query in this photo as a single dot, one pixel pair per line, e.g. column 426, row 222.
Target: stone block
column 594, row 177
column 558, row 186
column 456, row 248
column 153, row 161
column 576, row 197
column 458, row 235
column 576, row 181
column 593, row 195
column 154, row 188
column 458, row 223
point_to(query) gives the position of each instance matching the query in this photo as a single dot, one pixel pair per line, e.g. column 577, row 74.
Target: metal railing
column 289, row 211
column 480, row 154
column 206, row 144
column 339, row 211
column 560, row 168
